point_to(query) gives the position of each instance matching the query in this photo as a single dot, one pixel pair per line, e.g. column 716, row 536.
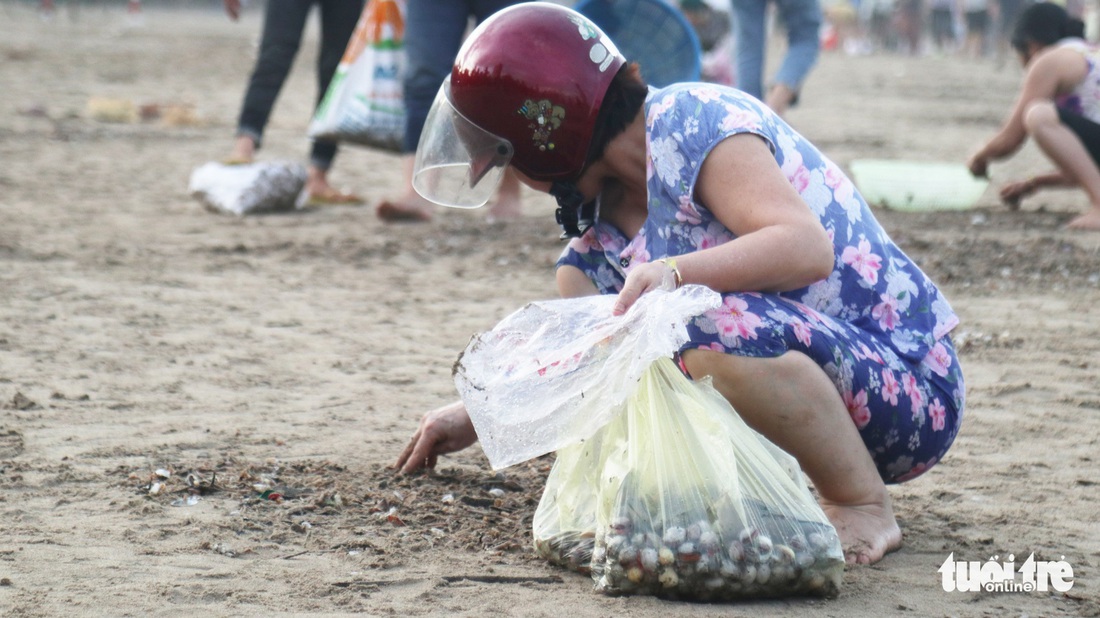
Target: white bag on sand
column 250, row 188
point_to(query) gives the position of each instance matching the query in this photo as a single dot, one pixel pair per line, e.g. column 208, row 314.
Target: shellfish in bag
column 364, row 103
column 677, row 497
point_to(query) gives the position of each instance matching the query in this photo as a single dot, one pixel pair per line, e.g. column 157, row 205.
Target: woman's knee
column 1039, row 115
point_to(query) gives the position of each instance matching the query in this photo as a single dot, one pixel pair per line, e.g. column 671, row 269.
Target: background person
column 1058, row 106
column 978, row 17
column 434, row 30
column 839, row 352
column 942, row 25
column 802, row 21
column 284, row 23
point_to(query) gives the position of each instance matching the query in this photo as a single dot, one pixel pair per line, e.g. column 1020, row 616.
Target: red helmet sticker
column 598, row 53
column 544, row 117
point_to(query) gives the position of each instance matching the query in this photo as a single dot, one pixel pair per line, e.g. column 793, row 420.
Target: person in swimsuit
column 830, row 341
column 1058, row 106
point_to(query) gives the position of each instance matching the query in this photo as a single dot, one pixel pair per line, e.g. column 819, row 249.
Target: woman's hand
column 1013, row 192
column 978, row 166
column 444, row 430
column 656, row 275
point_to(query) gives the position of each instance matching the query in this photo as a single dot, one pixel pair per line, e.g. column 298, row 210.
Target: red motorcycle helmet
column 525, row 90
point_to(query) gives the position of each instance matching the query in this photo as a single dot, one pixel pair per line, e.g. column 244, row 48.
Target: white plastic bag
column 249, row 188
column 364, row 103
column 554, row 372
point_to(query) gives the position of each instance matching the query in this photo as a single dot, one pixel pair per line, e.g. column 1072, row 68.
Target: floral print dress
column 877, row 325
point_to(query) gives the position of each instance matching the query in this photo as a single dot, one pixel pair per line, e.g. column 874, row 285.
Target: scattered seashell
column 649, row 559
column 737, row 551
column 628, row 555
column 621, row 525
column 714, row 583
column 665, row 556
column 674, row 536
column 188, row 501
column 805, row 560
column 708, row 541
column 764, row 545
column 784, row 554
column 817, row 541
column 693, row 531
column 687, row 552
column 599, row 554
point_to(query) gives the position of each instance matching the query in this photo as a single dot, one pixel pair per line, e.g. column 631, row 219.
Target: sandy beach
column 145, row 340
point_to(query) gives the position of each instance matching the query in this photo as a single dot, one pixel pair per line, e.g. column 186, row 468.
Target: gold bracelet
column 671, row 263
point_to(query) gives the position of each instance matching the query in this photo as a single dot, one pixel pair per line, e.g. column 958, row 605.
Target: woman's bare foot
column 244, row 150
column 1088, row 221
column 780, row 97
column 329, row 196
column 320, row 193
column 407, row 208
column 505, row 208
column 867, row 531
column 508, row 205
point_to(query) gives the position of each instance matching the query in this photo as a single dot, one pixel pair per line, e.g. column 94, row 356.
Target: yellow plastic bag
column 678, row 497
column 364, row 103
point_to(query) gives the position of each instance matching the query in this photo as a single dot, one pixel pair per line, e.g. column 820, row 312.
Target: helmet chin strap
column 574, row 215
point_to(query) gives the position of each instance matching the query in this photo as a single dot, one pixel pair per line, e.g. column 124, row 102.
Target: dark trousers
column 434, row 30
column 284, row 23
column 1086, row 130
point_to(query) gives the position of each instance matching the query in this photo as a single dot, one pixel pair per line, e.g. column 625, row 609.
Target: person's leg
column 509, row 203
column 749, row 24
column 433, row 35
column 338, row 21
column 802, row 19
column 284, row 21
column 1069, row 153
column 791, row 401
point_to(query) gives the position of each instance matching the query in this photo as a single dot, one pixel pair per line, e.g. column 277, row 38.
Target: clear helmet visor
column 457, row 162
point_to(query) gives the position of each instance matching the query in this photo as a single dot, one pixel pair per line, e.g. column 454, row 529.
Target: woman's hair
column 1045, row 23
column 624, row 97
